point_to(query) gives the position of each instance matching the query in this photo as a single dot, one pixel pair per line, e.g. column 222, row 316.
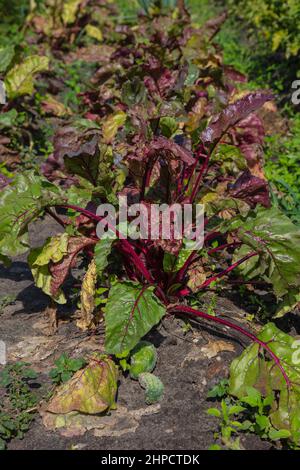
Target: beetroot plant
column 163, row 121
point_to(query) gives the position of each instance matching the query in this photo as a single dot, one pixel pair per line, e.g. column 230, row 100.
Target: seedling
column 65, row 368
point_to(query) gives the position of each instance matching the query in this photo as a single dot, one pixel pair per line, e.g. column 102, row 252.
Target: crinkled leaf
column 91, row 390
column 196, row 275
column 59, row 271
column 154, row 388
column 142, row 359
column 53, row 250
column 131, row 311
column 225, row 207
column 176, row 151
column 80, row 151
column 51, row 263
column 8, row 119
column 20, row 79
column 85, row 157
column 231, row 115
column 229, row 158
column 39, row 259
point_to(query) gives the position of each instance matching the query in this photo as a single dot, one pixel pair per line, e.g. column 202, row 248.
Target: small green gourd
column 143, row 359
column 154, row 388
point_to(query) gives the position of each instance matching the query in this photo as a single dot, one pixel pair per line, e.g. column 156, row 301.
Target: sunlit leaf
column 130, row 313
column 20, row 79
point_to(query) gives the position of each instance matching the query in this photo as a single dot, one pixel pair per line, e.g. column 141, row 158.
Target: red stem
column 227, row 270
column 194, row 254
column 186, row 291
column 189, row 310
column 126, row 245
column 199, row 178
column 223, row 247
column 147, row 176
column 55, row 217
column 181, row 273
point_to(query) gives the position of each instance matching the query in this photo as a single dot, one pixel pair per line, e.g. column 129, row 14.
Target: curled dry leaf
column 87, row 294
column 213, row 348
column 197, row 275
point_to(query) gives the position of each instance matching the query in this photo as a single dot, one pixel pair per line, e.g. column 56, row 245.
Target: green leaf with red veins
column 130, row 313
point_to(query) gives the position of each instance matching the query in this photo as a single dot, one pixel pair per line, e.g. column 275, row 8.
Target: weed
column 65, row 368
column 19, row 401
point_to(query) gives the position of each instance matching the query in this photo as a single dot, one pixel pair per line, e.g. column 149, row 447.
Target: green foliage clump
column 65, row 368
column 282, row 167
column 276, row 22
column 18, row 403
column 256, row 394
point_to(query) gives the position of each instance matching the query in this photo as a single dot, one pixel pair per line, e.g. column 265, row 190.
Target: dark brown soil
column 189, row 365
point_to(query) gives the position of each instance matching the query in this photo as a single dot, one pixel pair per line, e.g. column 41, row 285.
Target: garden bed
column 189, row 365
column 167, row 332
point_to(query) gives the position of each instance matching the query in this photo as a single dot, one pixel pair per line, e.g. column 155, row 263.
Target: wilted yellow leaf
column 50, row 105
column 91, row 390
column 277, row 39
column 69, row 12
column 112, row 124
column 87, row 297
column 94, row 32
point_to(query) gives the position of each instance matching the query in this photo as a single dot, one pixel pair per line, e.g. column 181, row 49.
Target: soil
column 189, row 365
